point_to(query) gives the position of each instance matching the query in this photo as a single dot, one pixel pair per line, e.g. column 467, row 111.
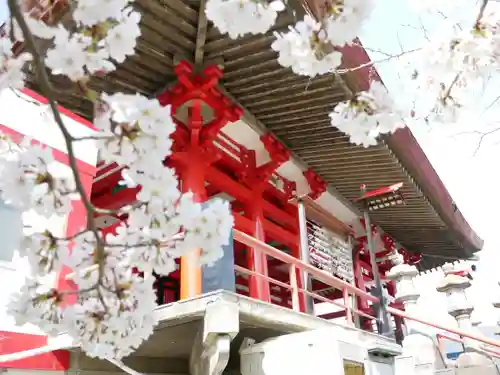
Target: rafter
column 201, row 35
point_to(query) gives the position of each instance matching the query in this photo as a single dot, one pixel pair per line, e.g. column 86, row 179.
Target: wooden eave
column 296, row 110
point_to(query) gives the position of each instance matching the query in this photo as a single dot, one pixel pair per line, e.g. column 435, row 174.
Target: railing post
column 295, row 288
column 415, row 344
column 304, row 256
column 348, row 309
column 472, row 359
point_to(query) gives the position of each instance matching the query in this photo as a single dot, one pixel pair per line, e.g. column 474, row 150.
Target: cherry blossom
column 121, row 38
column 254, row 17
column 367, row 115
column 440, row 81
column 37, row 304
column 45, row 252
column 310, row 47
column 28, row 181
column 11, row 74
column 345, row 19
column 305, row 49
column 113, row 313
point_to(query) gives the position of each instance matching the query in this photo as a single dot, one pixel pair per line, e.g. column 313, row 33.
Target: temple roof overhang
column 295, row 109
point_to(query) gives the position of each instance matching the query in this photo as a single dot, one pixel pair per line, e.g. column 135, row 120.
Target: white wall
column 243, row 133
column 26, row 115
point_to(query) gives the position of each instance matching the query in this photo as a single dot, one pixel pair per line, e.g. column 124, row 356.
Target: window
column 10, row 231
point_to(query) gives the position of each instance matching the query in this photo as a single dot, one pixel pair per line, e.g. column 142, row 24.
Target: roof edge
column 408, row 151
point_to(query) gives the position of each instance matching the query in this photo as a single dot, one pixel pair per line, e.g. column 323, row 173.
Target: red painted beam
column 273, row 231
column 219, row 180
column 244, row 194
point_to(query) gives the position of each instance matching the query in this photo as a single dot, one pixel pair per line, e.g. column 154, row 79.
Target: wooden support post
column 348, row 307
column 295, row 289
column 257, row 262
column 193, row 180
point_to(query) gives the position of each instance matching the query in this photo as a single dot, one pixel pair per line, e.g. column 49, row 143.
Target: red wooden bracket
column 317, row 185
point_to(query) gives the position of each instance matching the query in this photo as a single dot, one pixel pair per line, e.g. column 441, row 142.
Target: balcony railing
column 488, row 345
column 296, row 265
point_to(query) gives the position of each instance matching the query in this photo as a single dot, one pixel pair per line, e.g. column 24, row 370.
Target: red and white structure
column 25, row 113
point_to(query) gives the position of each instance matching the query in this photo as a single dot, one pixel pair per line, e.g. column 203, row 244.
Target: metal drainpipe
column 304, row 256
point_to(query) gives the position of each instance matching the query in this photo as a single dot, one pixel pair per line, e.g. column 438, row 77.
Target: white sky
column 472, row 178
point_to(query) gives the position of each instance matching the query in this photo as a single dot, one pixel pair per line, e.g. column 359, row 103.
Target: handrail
column 344, row 286
column 457, row 331
column 313, row 271
column 295, row 290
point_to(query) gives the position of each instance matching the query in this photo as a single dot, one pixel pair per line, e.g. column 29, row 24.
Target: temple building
column 255, row 134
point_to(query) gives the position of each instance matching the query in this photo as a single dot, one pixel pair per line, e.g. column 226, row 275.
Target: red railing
column 296, row 265
column 347, row 290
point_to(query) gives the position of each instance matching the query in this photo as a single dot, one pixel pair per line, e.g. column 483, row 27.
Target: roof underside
column 295, row 108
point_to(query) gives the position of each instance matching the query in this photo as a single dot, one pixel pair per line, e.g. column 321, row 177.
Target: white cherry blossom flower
column 93, row 12
column 121, row 39
column 45, row 252
column 253, row 16
column 37, row 304
column 346, row 19
column 11, row 74
column 305, row 49
column 112, row 320
column 367, row 115
column 68, row 56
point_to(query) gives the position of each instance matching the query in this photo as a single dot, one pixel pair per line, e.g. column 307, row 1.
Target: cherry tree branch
column 480, row 15
column 482, row 137
column 374, row 62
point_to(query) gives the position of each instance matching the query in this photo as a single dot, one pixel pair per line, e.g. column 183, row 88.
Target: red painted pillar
column 193, row 147
column 256, row 178
column 193, row 180
column 295, row 252
column 256, row 260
